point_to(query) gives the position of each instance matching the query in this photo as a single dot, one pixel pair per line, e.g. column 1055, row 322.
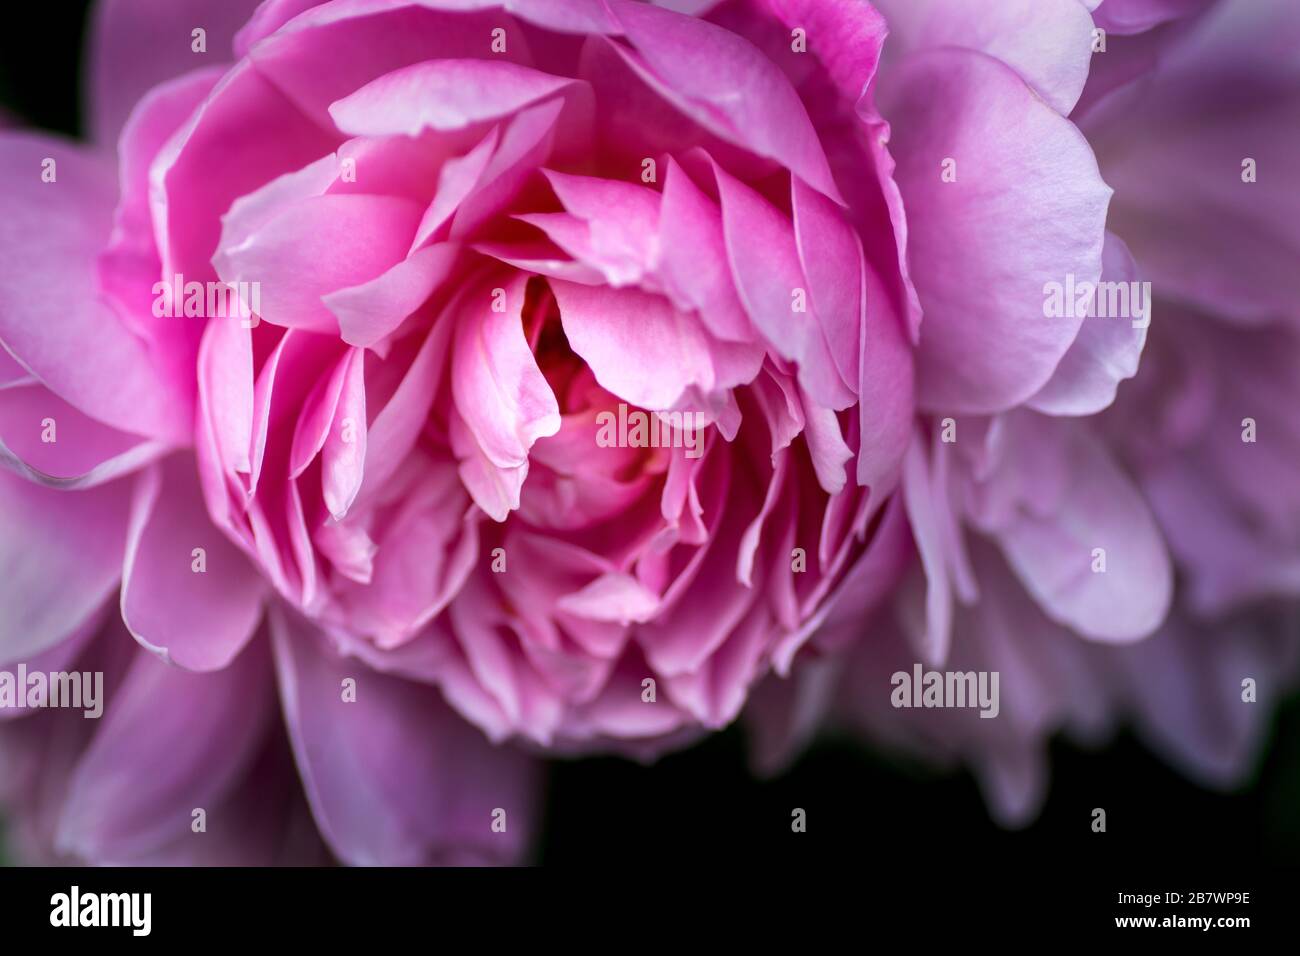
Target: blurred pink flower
column 1193, row 463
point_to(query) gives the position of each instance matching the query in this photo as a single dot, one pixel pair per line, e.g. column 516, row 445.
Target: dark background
column 703, row 806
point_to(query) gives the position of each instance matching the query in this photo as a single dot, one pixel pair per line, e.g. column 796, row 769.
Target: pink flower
column 574, row 382
column 1192, row 467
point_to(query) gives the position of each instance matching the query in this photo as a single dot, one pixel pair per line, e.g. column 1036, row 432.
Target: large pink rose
column 588, row 345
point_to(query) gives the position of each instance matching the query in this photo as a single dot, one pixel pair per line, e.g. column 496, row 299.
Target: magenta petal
column 188, row 594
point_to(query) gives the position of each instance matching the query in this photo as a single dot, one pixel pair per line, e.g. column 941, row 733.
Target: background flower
column 1175, row 139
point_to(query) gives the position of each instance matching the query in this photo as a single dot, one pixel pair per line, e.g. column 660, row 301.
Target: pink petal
column 397, row 425
column 612, row 597
column 693, row 257
column 318, row 246
column 1105, row 353
column 886, row 389
column 195, row 178
column 499, row 390
column 428, row 794
column 922, row 501
column 637, row 345
column 60, row 559
column 137, row 44
column 765, row 265
column 443, row 95
column 170, row 742
column 1048, row 42
column 344, row 454
column 1053, row 553
column 456, row 180
column 1174, row 148
column 49, row 304
column 83, row 454
column 1028, row 207
column 197, row 620
column 728, row 86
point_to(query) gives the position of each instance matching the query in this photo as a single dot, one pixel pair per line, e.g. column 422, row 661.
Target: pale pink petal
column 428, row 794
column 137, row 44
column 170, row 742
column 60, row 559
column 49, row 304
column 1027, row 207
column 317, row 246
column 1108, row 347
column 1048, row 42
column 443, row 95
column 188, row 594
